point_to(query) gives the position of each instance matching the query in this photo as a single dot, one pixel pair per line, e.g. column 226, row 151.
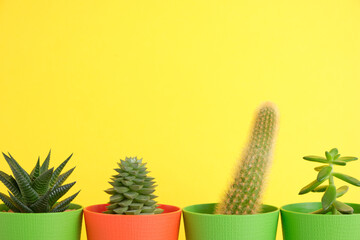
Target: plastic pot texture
column 41, row 226
column 202, row 224
column 298, row 224
column 100, row 226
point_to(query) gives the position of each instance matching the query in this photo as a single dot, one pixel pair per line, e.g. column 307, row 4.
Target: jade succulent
column 39, row 191
column 132, row 191
column 326, row 174
column 244, row 195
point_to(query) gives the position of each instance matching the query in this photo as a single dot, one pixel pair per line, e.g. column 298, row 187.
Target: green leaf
column 329, row 197
column 320, row 188
column 321, row 211
column 8, row 202
column 348, row 159
column 310, row 187
column 62, row 178
column 57, row 172
column 347, row 178
column 20, row 205
column 343, row 208
column 10, row 183
column 41, row 183
column 45, row 166
column 57, row 193
column 16, row 167
column 63, row 205
column 333, row 152
column 324, row 173
column 41, row 205
column 29, row 195
column 337, row 157
column 338, row 162
column 320, row 167
column 315, row 159
column 329, row 157
column 341, row 191
column 36, row 171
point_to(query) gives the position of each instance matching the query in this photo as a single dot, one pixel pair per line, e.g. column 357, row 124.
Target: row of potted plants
column 34, row 208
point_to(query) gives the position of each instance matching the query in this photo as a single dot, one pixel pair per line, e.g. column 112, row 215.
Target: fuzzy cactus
column 132, row 190
column 245, row 193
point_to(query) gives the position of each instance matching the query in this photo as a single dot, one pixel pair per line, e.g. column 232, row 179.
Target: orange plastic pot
column 100, row 226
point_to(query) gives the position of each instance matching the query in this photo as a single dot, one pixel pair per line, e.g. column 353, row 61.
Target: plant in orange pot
column 132, row 212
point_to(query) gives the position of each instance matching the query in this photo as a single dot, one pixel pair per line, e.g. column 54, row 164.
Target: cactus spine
column 245, row 193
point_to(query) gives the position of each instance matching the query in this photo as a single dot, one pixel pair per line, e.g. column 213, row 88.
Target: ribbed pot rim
column 283, row 209
column 186, row 210
column 175, row 211
column 77, row 208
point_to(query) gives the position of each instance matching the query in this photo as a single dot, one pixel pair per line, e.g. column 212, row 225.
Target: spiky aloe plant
column 329, row 201
column 132, row 190
column 245, row 192
column 39, row 191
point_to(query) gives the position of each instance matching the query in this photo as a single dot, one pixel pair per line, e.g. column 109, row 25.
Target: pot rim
column 317, row 215
column 77, row 208
column 276, row 209
column 86, row 210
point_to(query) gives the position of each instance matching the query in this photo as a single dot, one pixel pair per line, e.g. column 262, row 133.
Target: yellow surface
column 177, row 82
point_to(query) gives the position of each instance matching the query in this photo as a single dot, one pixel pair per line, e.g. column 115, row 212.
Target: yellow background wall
column 177, row 82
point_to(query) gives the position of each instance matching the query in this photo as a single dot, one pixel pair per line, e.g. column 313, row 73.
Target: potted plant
column 32, row 210
column 132, row 212
column 329, row 219
column 241, row 214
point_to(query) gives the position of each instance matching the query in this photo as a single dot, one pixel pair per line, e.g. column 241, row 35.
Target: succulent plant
column 132, row 190
column 39, row 191
column 245, row 192
column 329, row 201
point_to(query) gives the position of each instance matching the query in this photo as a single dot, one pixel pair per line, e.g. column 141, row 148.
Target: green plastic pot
column 41, row 226
column 202, row 224
column 298, row 224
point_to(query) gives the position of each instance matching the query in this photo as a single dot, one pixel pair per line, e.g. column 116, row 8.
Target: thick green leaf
column 324, row 173
column 320, row 167
column 315, row 159
column 333, row 152
column 29, row 195
column 41, row 183
column 10, row 183
column 338, row 162
column 36, row 171
column 321, row 211
column 329, row 157
column 341, row 191
column 58, row 192
column 14, row 165
column 63, row 205
column 348, row 159
column 320, row 188
column 329, row 197
column 310, row 187
column 337, row 157
column 8, row 202
column 20, row 205
column 41, row 205
column 45, row 166
column 58, row 171
column 343, row 208
column 62, row 178
column 347, row 179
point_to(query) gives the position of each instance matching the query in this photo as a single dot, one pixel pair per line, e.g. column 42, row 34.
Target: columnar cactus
column 132, row 190
column 245, row 193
